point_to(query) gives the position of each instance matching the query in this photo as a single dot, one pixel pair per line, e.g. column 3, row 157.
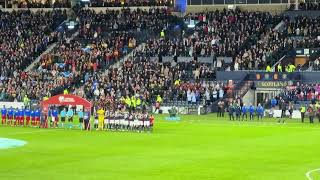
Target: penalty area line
column 308, row 174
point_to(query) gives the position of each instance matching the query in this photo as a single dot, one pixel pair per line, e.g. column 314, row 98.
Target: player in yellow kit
column 100, row 113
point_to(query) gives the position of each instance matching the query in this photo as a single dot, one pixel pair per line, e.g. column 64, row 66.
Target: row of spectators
column 302, row 92
column 33, row 84
column 126, row 3
column 306, row 6
column 44, row 4
column 93, row 3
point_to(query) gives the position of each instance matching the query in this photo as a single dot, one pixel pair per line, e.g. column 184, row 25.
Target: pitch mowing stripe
column 308, row 174
column 247, row 124
column 28, row 132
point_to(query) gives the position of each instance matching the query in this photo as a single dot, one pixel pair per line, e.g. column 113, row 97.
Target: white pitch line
column 308, row 174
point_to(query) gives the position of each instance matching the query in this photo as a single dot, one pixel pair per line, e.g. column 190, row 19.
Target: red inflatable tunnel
column 65, row 100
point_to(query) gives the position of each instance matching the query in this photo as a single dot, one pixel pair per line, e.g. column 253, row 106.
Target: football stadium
column 160, row 89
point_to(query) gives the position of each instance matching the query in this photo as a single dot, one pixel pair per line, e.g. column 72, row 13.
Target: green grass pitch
column 195, row 148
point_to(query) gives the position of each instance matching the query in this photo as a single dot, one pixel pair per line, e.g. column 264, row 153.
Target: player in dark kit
column 55, row 117
column 251, row 112
column 244, row 112
column 4, row 115
column 238, row 112
column 231, row 109
column 10, row 116
column 86, row 118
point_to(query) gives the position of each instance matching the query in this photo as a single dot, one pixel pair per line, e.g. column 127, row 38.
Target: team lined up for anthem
column 103, row 120
column 238, row 111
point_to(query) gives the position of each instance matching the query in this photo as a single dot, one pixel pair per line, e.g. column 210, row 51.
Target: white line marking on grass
column 308, row 174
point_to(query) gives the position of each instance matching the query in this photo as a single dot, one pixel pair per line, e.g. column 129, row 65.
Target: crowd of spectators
column 125, row 3
column 81, row 56
column 96, row 47
column 73, row 61
column 270, row 47
column 306, row 6
column 153, row 20
column 316, row 64
column 24, row 36
column 303, row 26
column 221, row 33
column 35, row 85
column 145, row 78
column 302, row 92
column 93, row 3
column 44, row 4
column 186, row 47
column 82, row 64
column 302, row 32
column 228, row 30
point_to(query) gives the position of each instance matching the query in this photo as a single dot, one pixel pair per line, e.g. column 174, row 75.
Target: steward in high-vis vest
column 159, row 99
column 133, row 102
column 279, row 68
column 177, row 82
column 26, row 100
column 162, row 34
column 268, row 69
column 288, row 68
column 128, row 102
column 138, row 102
column 302, row 111
column 292, row 68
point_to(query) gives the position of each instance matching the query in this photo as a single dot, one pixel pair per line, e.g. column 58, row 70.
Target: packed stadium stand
column 91, row 89
column 145, row 53
column 24, row 36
